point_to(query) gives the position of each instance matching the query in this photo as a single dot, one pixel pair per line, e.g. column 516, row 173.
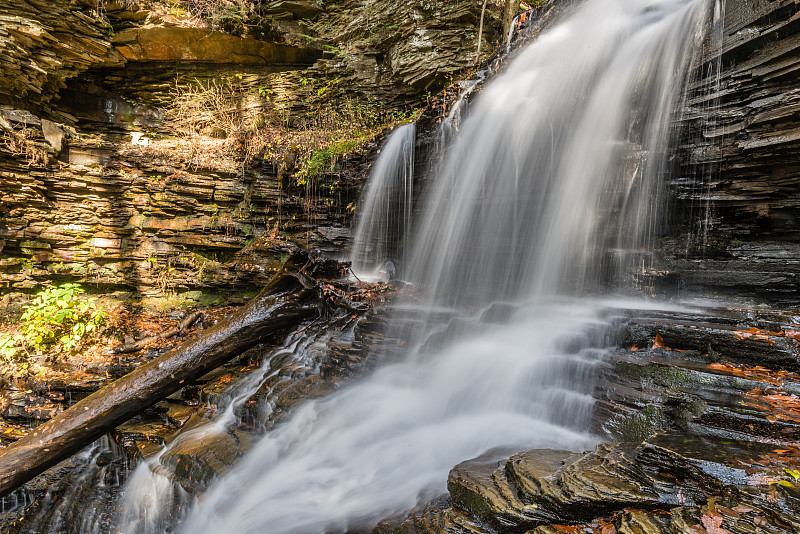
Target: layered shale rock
column 94, row 187
column 392, row 49
column 739, row 186
column 44, row 43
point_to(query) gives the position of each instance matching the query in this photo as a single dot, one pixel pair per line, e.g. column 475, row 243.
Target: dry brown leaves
column 761, row 374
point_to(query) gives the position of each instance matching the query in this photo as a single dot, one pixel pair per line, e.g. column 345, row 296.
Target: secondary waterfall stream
column 546, row 200
column 384, row 217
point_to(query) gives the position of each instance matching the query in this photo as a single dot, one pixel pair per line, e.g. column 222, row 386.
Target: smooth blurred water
column 547, row 195
column 381, row 445
column 555, row 182
column 383, row 226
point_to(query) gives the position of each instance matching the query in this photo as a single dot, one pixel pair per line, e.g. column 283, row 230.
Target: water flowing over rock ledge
column 704, row 442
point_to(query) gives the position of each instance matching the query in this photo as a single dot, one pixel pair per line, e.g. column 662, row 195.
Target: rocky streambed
column 696, row 441
column 198, row 433
column 697, row 410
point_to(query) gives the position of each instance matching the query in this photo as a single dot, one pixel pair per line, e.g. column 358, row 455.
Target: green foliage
column 324, row 159
column 8, row 346
column 60, row 318
column 349, row 127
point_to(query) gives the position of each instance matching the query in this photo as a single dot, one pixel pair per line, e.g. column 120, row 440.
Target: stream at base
column 382, row 445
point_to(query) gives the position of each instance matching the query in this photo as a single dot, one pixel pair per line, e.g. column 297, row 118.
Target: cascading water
column 450, row 124
column 548, row 194
column 560, row 165
column 154, row 501
column 384, row 220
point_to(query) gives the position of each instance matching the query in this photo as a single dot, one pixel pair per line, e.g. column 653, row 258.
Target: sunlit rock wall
column 93, row 190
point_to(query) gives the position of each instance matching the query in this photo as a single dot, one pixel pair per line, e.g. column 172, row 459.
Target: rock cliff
column 738, row 192
column 97, row 181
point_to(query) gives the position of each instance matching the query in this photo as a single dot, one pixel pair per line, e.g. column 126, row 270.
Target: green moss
column 324, row 159
column 640, row 425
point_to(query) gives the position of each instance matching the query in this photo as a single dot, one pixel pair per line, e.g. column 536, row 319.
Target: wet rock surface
column 58, row 499
column 704, row 443
column 288, row 376
column 737, row 190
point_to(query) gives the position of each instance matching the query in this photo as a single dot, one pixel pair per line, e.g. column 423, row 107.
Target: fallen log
column 287, row 300
column 142, row 343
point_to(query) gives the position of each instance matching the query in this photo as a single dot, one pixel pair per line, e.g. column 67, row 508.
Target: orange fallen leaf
column 755, row 333
column 658, row 343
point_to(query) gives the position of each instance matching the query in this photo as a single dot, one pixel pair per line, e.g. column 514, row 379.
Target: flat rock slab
column 177, row 44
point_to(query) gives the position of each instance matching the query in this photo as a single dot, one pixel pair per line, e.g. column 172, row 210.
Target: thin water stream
column 384, row 215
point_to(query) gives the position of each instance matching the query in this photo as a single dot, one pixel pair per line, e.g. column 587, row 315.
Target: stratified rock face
column 82, row 198
column 745, row 124
column 94, row 190
column 108, row 213
column 739, row 188
column 393, row 49
column 44, row 43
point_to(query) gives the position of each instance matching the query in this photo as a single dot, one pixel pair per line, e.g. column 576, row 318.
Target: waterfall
column 384, row 216
column 555, row 183
column 547, row 198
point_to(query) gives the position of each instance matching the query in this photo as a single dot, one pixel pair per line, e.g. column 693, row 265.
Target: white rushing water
column 384, row 213
column 548, row 194
column 154, row 502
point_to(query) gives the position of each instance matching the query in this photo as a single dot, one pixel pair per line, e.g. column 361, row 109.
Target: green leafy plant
column 60, row 318
column 8, row 346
